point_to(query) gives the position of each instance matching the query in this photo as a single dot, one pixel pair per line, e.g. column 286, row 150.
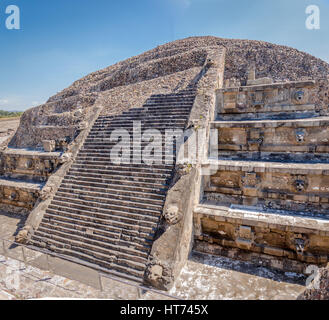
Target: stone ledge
column 259, row 259
column 21, row 185
column 276, row 85
column 308, row 122
column 255, row 216
column 31, row 153
column 259, row 166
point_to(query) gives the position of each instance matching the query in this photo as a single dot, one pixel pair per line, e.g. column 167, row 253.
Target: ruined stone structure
column 268, row 200
column 264, row 197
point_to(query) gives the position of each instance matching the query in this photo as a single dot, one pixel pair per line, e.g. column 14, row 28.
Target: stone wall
column 29, row 165
column 270, row 235
column 19, row 199
column 292, row 187
column 268, row 101
column 175, row 235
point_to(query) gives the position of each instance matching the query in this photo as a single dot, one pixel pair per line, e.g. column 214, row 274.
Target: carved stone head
column 172, row 215
column 300, row 96
column 300, row 135
column 300, row 185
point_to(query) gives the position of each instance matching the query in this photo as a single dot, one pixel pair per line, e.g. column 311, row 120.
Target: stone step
column 143, row 244
column 169, row 99
column 114, row 241
column 152, row 160
column 117, row 218
column 88, row 221
column 174, row 95
column 129, row 128
column 135, row 196
column 144, row 112
column 145, row 125
column 129, row 157
column 112, row 182
column 107, row 146
column 118, row 176
column 111, row 207
column 106, row 260
column 144, row 116
column 144, row 119
column 190, row 95
column 129, row 133
column 105, row 171
column 163, row 109
column 87, row 185
column 107, row 151
column 92, row 262
column 104, row 160
column 104, row 199
column 121, row 247
column 107, row 166
column 157, row 108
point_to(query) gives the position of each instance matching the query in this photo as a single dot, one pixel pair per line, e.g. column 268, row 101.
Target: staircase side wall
column 173, row 245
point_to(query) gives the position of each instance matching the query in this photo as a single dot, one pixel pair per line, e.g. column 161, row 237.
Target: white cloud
column 4, row 101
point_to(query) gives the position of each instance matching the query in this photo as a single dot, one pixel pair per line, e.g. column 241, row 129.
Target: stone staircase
column 105, row 214
column 268, row 199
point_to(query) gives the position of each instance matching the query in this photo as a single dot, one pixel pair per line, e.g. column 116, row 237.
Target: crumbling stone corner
column 173, row 244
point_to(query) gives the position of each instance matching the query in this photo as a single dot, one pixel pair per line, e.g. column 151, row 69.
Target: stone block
column 49, row 145
column 244, row 244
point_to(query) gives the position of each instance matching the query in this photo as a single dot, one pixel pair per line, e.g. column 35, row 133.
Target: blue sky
column 61, row 41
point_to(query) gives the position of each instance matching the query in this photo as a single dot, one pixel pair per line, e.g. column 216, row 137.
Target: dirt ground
column 7, row 128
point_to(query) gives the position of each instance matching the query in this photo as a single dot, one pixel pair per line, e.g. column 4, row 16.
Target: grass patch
column 9, row 114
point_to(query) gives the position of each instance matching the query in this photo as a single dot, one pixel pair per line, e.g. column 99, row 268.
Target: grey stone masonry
column 267, row 197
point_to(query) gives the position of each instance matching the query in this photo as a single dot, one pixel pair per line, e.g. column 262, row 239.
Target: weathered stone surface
column 318, row 289
column 268, row 212
column 49, row 145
